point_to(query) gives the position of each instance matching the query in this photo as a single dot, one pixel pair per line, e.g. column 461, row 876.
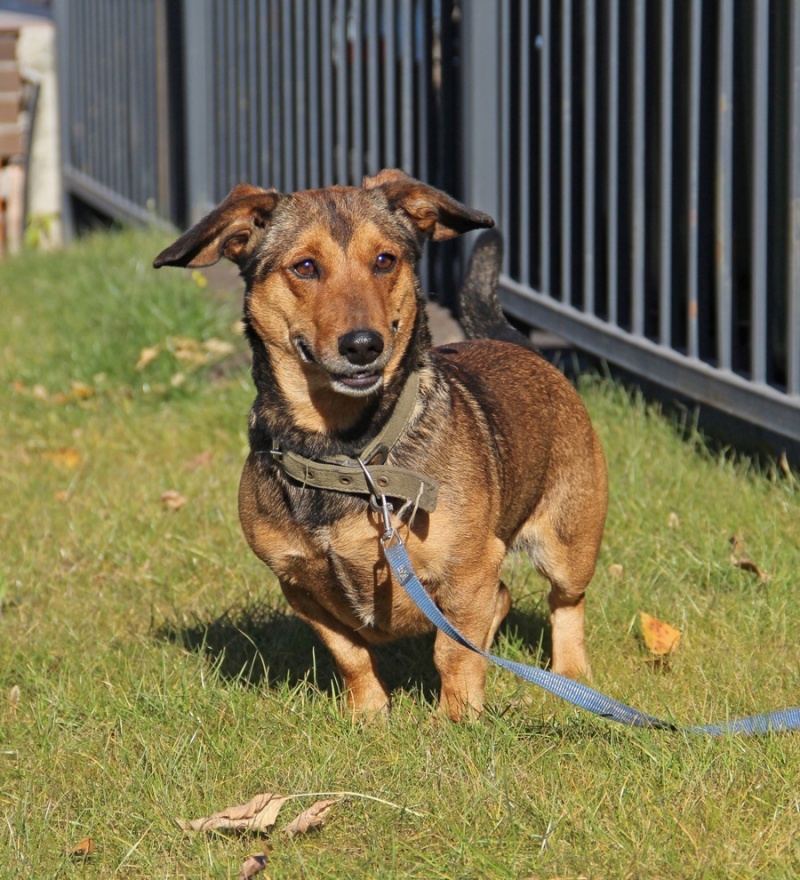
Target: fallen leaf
column 745, row 563
column 218, row 347
column 672, row 521
column 14, row 696
column 67, row 457
column 62, row 496
column 200, row 461
column 82, row 391
column 252, row 866
column 313, row 817
column 258, row 814
column 172, row 500
column 147, row 356
column 659, row 638
column 40, row 392
column 616, row 570
column 85, row 848
column 19, row 386
column 177, row 380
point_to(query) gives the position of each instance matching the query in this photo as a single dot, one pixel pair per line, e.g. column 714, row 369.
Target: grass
column 160, row 675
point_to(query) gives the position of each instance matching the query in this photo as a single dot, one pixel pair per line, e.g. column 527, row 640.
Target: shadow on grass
column 260, row 645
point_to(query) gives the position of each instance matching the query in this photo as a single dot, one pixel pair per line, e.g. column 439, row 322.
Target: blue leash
column 572, row 691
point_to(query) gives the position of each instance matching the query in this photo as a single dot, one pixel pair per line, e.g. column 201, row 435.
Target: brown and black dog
column 337, row 325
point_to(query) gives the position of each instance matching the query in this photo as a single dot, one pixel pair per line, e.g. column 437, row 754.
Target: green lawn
column 149, row 669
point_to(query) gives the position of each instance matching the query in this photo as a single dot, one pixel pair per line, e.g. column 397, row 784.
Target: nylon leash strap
column 574, row 692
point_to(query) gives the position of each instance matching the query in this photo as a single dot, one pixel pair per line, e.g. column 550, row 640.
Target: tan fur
column 506, row 436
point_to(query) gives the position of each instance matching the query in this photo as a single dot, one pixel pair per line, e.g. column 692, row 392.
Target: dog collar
column 343, row 473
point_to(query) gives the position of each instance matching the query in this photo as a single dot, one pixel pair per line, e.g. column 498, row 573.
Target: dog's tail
column 480, row 312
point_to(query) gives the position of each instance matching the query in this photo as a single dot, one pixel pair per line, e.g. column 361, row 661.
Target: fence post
column 480, row 65
column 198, row 107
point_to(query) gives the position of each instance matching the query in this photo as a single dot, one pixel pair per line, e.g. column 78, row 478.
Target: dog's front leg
column 366, row 694
column 462, row 671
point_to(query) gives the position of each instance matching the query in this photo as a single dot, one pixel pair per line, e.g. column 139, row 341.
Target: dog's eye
column 384, row 262
column 306, row 269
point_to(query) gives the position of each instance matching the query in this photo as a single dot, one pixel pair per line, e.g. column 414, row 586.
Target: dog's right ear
column 231, row 230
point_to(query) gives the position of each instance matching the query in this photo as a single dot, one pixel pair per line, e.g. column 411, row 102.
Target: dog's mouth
column 355, row 384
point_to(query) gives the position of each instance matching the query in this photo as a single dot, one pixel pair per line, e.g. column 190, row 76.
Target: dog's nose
column 361, row 347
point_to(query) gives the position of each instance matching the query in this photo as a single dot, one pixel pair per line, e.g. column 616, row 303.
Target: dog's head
column 331, row 289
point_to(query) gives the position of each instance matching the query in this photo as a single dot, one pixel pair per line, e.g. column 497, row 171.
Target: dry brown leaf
column 85, row 848
column 200, row 461
column 67, row 457
column 673, row 521
column 252, row 866
column 616, row 570
column 147, row 356
column 218, row 347
column 659, row 638
column 743, row 562
column 40, row 392
column 313, row 817
column 62, row 496
column 258, row 814
column 172, row 500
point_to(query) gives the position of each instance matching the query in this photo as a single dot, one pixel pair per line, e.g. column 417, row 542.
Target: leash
column 574, row 692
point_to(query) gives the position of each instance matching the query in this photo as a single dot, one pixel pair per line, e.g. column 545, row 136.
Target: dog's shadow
column 264, row 646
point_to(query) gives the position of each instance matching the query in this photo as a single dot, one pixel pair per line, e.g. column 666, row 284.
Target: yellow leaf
column 67, row 457
column 82, row 391
column 147, row 356
column 659, row 638
column 199, row 279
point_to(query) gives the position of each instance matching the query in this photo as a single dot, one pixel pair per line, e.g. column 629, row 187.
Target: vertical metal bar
column 254, row 106
column 481, row 114
column 565, row 196
column 373, row 89
column 758, row 227
column 665, row 189
column 199, row 110
column 505, row 152
column 406, row 88
column 276, row 92
column 695, row 24
column 523, row 145
column 265, row 175
column 793, row 330
column 326, row 80
column 589, row 151
column 239, row 39
column 288, row 96
column 724, row 185
column 357, row 93
column 313, row 53
column 423, row 68
column 612, row 171
column 544, row 211
column 637, row 170
column 302, row 104
column 390, row 88
column 342, row 140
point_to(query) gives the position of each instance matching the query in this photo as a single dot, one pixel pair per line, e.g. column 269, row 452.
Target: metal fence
column 641, row 156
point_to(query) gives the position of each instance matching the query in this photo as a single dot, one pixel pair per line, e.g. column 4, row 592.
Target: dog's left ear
column 231, row 230
column 434, row 214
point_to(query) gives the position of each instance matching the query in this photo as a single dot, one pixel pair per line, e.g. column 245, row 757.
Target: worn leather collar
column 343, row 473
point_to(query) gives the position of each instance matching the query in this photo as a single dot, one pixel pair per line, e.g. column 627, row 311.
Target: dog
column 480, row 446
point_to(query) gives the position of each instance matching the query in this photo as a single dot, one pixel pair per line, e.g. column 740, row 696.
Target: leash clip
column 379, row 503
